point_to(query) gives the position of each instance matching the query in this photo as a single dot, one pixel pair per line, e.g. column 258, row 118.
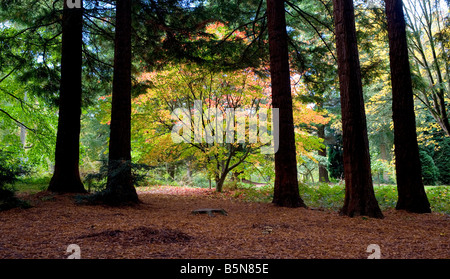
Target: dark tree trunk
column 323, row 172
column 359, row 194
column 411, row 192
column 120, row 188
column 220, row 180
column 286, row 192
column 66, row 176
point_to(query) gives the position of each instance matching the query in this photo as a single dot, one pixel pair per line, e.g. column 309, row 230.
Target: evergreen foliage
column 335, row 159
column 430, row 173
column 441, row 159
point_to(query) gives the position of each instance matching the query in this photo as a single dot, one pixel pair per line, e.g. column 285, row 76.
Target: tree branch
column 302, row 14
column 17, row 121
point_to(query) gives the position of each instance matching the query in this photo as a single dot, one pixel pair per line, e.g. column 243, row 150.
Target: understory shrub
column 442, row 161
column 430, row 173
column 10, row 170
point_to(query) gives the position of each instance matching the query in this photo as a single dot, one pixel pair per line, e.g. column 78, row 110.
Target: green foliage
column 323, row 195
column 442, row 161
column 430, row 173
column 335, row 159
column 97, row 181
column 10, row 170
column 439, row 198
column 380, row 167
column 32, row 184
column 331, row 196
column 250, row 193
column 308, row 165
column 386, row 196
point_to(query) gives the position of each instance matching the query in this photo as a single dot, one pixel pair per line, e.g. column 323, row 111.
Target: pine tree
column 411, row 192
column 66, row 176
column 359, row 194
column 286, row 192
column 120, row 188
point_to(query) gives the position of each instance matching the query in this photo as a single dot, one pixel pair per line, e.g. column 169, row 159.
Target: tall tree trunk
column 286, row 192
column 323, row 172
column 120, row 188
column 66, row 176
column 411, row 192
column 359, row 194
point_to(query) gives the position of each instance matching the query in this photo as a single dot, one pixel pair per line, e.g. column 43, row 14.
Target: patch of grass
column 439, row 198
column 32, row 184
column 331, row 196
column 251, row 193
column 322, row 195
column 386, row 196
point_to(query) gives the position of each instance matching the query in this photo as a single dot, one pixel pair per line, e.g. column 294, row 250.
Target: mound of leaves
column 140, row 236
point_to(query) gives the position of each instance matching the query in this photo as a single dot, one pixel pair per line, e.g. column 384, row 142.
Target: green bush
column 336, row 159
column 442, row 161
column 96, row 182
column 323, row 195
column 200, row 180
column 386, row 196
column 430, row 173
column 10, row 170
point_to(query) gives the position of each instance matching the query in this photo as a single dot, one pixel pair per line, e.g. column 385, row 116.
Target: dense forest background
column 215, row 52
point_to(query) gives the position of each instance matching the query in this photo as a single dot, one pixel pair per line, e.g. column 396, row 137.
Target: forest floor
column 162, row 226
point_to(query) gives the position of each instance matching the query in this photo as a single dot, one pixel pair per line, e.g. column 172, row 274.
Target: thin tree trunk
column 120, row 188
column 384, row 154
column 323, row 172
column 359, row 194
column 411, row 192
column 286, row 192
column 23, row 130
column 66, row 176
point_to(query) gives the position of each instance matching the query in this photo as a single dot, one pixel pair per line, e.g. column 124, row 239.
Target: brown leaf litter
column 163, row 227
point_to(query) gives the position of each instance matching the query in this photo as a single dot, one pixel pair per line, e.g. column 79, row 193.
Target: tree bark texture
column 286, row 192
column 411, row 192
column 66, row 176
column 120, row 186
column 359, row 195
